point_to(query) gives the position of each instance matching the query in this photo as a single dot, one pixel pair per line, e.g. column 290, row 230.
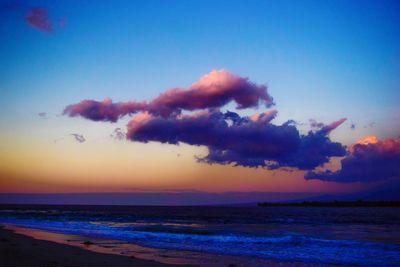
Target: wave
column 282, row 247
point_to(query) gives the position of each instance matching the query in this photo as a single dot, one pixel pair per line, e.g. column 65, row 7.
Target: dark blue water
column 350, row 236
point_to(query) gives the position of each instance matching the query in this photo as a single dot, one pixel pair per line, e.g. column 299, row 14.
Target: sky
column 88, row 105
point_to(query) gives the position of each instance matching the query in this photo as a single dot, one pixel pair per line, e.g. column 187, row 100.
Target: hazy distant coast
column 334, row 204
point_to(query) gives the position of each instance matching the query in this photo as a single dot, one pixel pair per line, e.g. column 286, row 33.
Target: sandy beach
column 19, row 250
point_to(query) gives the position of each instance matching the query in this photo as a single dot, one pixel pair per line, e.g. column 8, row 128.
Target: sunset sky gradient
column 318, row 62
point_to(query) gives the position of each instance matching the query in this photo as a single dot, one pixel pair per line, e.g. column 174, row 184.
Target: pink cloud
column 105, row 110
column 332, row 126
column 213, row 90
column 265, row 116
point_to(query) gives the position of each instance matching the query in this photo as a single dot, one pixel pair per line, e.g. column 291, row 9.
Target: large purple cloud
column 245, row 141
column 213, row 90
column 368, row 160
column 230, row 138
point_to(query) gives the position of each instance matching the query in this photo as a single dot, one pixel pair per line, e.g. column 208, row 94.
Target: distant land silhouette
column 333, row 204
column 387, row 192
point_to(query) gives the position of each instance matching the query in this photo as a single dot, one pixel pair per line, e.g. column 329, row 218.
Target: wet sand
column 19, row 250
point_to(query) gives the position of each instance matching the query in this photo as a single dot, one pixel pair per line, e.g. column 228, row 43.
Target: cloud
column 332, row 126
column 369, row 159
column 213, row 90
column 79, row 137
column 326, row 129
column 35, row 17
column 104, row 110
column 118, row 134
column 315, row 124
column 250, row 141
column 265, row 116
column 38, row 18
column 243, row 141
column 42, row 114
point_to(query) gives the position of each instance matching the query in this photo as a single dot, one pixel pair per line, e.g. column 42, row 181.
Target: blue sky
column 135, row 49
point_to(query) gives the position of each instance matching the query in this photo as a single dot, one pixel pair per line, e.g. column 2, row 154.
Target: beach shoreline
column 216, row 237
column 25, row 241
column 21, row 250
column 22, row 246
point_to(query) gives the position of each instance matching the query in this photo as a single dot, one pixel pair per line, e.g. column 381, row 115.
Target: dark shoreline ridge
column 334, row 204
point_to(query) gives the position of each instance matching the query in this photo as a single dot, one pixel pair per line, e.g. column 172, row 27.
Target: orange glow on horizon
column 42, row 166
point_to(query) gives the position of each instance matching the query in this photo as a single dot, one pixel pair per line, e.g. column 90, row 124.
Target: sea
column 219, row 236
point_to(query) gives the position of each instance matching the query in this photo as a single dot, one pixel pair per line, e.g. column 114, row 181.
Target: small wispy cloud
column 332, row 126
column 42, row 114
column 316, row 124
column 38, row 18
column 118, row 134
column 326, row 128
column 79, row 137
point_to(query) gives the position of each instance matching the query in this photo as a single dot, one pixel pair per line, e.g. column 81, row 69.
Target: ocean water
column 343, row 236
